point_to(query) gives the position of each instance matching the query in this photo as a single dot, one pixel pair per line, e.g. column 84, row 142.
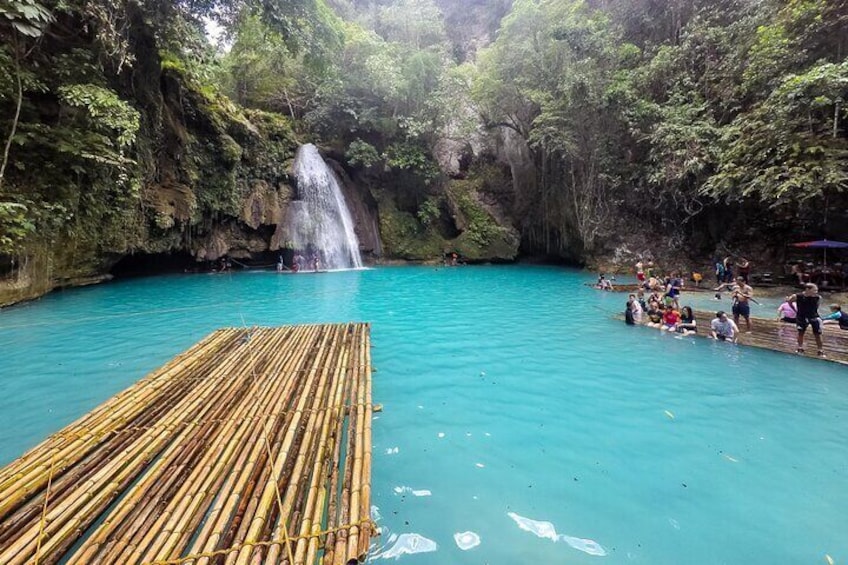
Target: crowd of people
column 656, row 304
column 301, row 262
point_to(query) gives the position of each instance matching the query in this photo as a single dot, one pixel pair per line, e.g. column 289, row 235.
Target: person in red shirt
column 670, row 320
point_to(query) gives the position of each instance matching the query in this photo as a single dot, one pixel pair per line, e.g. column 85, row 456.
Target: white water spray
column 319, row 221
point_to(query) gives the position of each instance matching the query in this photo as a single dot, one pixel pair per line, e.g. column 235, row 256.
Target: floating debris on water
column 730, row 458
column 466, row 540
column 414, row 492
column 546, row 530
column 670, row 414
column 407, row 544
column 391, row 450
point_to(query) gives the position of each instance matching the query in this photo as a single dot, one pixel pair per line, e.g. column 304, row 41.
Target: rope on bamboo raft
column 250, row 411
column 262, row 543
column 180, row 425
column 43, row 521
column 271, row 459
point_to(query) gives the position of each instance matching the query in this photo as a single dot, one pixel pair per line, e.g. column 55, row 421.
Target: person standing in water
column 807, row 305
column 741, row 293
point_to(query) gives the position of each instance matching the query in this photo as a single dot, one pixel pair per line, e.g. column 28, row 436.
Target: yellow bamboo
column 99, row 489
column 235, row 441
column 295, row 486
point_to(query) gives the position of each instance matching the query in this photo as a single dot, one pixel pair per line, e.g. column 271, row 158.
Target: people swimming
column 604, row 283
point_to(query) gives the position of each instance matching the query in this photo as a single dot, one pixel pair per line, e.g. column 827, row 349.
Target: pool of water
column 522, row 423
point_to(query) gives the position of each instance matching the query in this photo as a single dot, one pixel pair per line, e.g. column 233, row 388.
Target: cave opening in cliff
column 143, row 264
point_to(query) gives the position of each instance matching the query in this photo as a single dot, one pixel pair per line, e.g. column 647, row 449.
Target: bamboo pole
column 239, row 485
column 99, row 490
column 295, row 486
column 236, row 441
column 340, row 550
column 56, row 440
column 365, row 510
column 184, row 518
column 312, row 512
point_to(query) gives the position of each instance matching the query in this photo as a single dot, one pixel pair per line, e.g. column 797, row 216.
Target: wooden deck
column 779, row 336
column 254, row 446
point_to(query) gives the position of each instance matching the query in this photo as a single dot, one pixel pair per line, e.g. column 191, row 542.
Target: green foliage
column 362, row 154
column 15, row 227
column 408, row 156
column 791, row 147
column 105, row 109
column 429, row 211
column 27, row 17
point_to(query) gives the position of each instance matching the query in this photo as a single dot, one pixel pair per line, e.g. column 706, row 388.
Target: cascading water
column 319, row 222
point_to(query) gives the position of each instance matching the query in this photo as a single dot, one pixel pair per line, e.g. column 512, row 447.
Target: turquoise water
column 516, row 411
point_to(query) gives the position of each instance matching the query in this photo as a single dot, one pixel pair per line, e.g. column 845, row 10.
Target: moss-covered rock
column 404, row 237
column 483, row 237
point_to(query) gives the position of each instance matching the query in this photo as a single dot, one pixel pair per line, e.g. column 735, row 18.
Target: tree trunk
column 18, row 105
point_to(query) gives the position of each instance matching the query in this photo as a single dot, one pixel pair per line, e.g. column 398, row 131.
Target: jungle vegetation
column 695, row 119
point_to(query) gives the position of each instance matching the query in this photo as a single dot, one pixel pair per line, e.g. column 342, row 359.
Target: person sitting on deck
column 723, row 328
column 603, row 283
column 640, row 296
column 670, row 320
column 799, row 275
column 687, row 323
column 807, row 304
column 786, row 312
column 655, row 315
column 836, row 316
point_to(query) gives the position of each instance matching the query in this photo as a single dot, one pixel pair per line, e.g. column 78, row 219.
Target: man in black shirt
column 807, row 305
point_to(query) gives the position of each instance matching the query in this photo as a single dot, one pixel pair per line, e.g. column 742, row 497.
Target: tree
column 27, row 19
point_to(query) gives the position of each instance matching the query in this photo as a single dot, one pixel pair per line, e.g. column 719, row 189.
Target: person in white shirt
column 723, row 328
column 636, row 308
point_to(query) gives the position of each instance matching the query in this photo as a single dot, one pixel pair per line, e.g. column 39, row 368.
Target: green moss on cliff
column 482, row 237
column 404, row 237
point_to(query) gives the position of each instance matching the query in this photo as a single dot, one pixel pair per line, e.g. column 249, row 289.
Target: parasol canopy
column 822, row 244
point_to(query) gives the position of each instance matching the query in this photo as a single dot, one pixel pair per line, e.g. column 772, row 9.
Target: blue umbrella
column 822, row 244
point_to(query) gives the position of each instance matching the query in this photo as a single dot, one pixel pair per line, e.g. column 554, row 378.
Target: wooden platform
column 633, row 288
column 779, row 336
column 254, row 446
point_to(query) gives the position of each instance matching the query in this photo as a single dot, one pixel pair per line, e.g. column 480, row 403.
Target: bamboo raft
column 254, row 446
column 780, row 336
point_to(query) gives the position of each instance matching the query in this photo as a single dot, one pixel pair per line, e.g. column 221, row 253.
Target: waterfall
column 319, row 223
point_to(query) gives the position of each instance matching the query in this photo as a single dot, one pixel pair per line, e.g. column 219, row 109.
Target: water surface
column 521, row 421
